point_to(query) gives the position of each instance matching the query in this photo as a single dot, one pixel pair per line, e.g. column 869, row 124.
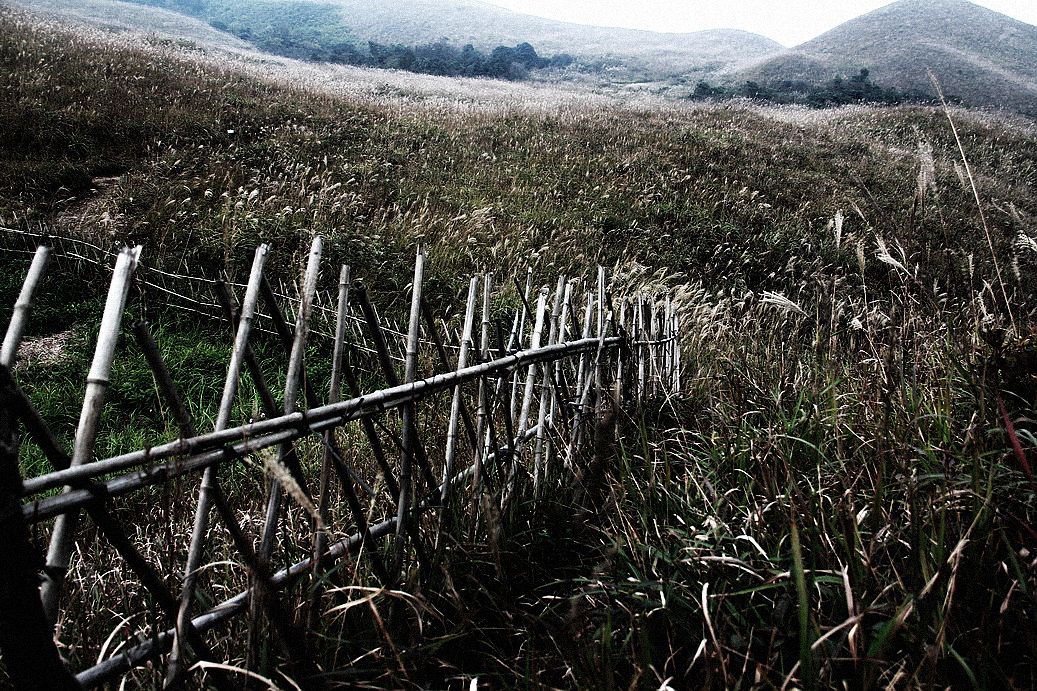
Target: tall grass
column 839, row 499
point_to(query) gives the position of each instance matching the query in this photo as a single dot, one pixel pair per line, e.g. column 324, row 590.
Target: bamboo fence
column 523, row 405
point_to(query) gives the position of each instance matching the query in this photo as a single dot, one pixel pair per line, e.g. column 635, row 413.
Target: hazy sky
column 786, row 21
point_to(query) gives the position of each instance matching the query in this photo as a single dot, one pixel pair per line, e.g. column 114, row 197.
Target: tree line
column 444, row 59
column 838, row 91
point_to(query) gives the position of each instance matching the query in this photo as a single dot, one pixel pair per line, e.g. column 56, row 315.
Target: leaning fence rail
column 537, row 391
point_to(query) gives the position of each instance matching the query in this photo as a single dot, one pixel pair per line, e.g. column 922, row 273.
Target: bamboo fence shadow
column 523, row 406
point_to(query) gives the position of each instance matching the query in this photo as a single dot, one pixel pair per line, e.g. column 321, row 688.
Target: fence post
column 547, row 391
column 293, row 384
column 96, row 384
column 20, row 316
column 409, row 413
column 26, row 638
column 455, row 404
column 205, row 494
column 482, row 414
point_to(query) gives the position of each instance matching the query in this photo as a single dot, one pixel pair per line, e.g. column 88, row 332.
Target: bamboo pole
column 177, row 657
column 583, row 386
column 620, row 370
column 601, row 301
column 262, row 599
column 546, row 391
column 31, row 658
column 367, row 424
column 444, row 361
column 192, row 455
column 516, row 338
column 538, row 331
column 668, row 348
column 63, row 534
column 655, row 378
column 482, row 414
column 320, row 539
column 233, row 317
column 385, row 359
column 639, row 322
column 455, row 404
column 293, row 384
column 678, row 370
column 20, row 315
column 409, row 412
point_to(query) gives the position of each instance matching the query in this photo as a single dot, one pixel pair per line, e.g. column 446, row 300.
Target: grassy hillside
column 840, row 497
column 978, row 55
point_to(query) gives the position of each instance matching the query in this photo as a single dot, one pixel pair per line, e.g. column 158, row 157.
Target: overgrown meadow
column 843, row 496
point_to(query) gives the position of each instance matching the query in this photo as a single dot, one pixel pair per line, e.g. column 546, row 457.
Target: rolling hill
column 978, row 55
column 839, row 492
column 620, row 54
column 486, row 26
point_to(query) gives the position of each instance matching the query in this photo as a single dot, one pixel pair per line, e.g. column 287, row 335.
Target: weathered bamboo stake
column 178, row 654
column 560, row 413
column 678, row 353
column 527, row 394
column 563, row 323
column 482, row 413
column 620, row 373
column 668, row 348
column 655, row 377
column 601, row 301
column 320, row 539
column 287, row 338
column 262, row 599
column 444, row 362
column 233, row 317
column 293, row 383
column 168, row 390
column 538, row 332
column 583, row 387
column 27, row 644
column 410, row 412
column 639, row 333
column 367, row 424
column 455, row 404
column 377, row 335
column 507, row 409
column 20, row 315
column 31, row 658
column 113, row 532
column 96, row 384
column 516, row 338
column 213, row 448
column 581, row 375
column 547, row 393
column 388, row 369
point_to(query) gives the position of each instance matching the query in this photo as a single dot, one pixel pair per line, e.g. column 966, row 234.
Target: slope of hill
column 832, row 497
column 622, row 54
column 979, row 56
column 115, row 16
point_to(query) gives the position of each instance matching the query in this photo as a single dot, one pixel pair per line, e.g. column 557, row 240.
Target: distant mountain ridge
column 980, row 56
column 485, row 26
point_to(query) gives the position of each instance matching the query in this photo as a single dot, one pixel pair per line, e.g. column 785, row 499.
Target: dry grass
column 837, row 500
